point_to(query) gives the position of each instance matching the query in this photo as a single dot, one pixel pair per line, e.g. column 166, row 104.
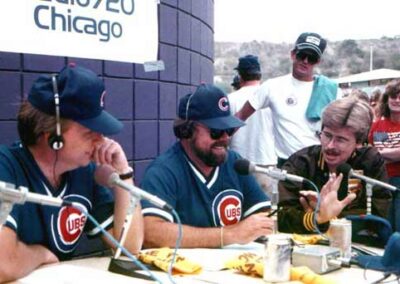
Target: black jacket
column 309, row 163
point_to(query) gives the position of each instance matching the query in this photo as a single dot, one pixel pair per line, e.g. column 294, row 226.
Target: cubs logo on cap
column 208, row 105
column 223, row 104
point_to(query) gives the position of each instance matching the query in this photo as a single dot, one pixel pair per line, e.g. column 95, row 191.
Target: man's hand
column 330, row 206
column 308, row 200
column 109, row 152
column 249, row 229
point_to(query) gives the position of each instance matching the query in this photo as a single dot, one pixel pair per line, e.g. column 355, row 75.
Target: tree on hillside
column 394, row 61
column 350, row 47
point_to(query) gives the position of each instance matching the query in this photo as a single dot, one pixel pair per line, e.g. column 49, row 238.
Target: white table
column 94, row 270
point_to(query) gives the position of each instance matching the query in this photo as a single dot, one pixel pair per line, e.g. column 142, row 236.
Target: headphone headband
column 56, row 141
column 188, row 106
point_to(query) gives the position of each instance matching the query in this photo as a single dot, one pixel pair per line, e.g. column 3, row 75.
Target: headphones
column 184, row 130
column 56, row 141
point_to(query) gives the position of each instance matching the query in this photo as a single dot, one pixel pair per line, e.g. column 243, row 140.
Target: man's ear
column 293, row 54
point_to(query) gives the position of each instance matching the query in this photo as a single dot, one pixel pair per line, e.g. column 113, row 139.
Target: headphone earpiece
column 56, row 141
column 184, row 130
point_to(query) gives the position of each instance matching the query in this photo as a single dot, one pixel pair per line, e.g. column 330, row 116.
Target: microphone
column 346, row 169
column 8, row 193
column 106, row 176
column 245, row 167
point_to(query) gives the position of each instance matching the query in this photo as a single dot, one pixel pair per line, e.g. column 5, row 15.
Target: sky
column 283, row 20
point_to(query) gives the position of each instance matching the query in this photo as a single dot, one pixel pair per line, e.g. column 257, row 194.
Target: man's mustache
column 331, row 152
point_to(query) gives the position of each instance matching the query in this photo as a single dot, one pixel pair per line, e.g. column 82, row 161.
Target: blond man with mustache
column 345, row 126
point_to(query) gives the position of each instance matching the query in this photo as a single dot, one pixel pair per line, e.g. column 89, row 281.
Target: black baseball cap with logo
column 311, row 42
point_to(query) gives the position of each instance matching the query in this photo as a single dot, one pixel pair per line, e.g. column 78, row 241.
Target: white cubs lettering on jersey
column 230, row 210
column 71, row 222
column 227, row 207
column 67, row 224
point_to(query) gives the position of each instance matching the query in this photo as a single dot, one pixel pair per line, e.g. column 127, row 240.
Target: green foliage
column 394, row 61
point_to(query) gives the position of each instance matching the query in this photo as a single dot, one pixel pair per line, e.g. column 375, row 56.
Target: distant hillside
column 341, row 58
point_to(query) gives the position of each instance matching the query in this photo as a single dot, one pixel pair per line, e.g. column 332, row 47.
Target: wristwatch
column 127, row 174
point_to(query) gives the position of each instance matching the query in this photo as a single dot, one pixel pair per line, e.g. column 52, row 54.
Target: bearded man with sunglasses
column 345, row 126
column 196, row 177
column 296, row 100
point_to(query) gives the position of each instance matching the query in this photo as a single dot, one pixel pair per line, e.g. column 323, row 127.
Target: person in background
column 359, row 94
column 385, row 136
column 62, row 126
column 236, row 82
column 296, row 100
column 196, row 177
column 375, row 103
column 345, row 125
column 255, row 140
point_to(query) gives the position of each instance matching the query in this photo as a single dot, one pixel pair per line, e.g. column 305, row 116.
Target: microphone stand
column 127, row 223
column 122, row 266
column 369, row 197
column 274, row 204
column 5, row 209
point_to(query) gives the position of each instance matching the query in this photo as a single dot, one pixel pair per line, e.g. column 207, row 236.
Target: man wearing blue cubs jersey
column 196, row 177
column 61, row 126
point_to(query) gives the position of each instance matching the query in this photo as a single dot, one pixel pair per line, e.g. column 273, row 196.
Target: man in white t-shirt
column 296, row 100
column 255, row 140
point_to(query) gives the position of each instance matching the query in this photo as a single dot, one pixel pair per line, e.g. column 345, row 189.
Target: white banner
column 120, row 30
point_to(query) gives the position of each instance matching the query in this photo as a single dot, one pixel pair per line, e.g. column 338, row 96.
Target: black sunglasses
column 217, row 133
column 312, row 59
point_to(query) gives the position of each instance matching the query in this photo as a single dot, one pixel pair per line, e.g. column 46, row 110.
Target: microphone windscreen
column 242, row 166
column 344, row 169
column 102, row 175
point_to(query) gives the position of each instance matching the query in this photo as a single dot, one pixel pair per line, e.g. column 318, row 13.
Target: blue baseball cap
column 389, row 262
column 249, row 64
column 208, row 105
column 81, row 94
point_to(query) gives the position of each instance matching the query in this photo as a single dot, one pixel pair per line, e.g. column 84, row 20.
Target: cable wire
column 116, row 243
column 385, row 276
column 177, row 245
column 316, row 209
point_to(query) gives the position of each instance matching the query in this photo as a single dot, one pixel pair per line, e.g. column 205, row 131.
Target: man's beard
column 208, row 157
